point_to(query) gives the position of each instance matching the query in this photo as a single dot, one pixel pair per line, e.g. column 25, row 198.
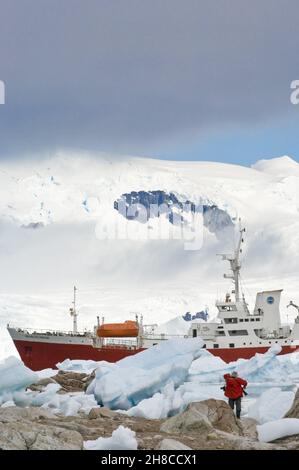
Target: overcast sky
column 183, row 79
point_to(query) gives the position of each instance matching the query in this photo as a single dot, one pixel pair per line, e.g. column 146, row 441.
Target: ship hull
column 38, row 355
column 43, row 355
column 230, row 355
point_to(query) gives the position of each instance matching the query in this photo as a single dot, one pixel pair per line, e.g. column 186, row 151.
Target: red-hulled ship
column 235, row 334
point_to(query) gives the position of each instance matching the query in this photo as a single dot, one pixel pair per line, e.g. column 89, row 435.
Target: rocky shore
column 208, row 424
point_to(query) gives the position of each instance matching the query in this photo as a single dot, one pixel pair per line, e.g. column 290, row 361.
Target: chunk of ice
column 273, row 430
column 122, row 439
column 272, row 405
column 14, row 375
column 135, row 378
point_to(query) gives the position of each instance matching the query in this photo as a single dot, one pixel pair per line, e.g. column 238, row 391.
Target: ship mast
column 235, row 264
column 73, row 312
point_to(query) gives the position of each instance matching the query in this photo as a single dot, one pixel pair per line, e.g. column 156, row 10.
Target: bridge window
column 194, row 333
column 228, row 308
column 238, row 333
column 246, row 319
column 252, row 319
column 230, row 320
column 241, row 319
column 257, row 319
column 216, row 346
column 231, row 345
column 221, row 333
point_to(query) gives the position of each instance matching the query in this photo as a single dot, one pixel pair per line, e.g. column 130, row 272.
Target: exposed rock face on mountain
column 144, row 205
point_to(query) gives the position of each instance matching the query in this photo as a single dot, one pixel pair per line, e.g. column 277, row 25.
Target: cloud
column 129, row 75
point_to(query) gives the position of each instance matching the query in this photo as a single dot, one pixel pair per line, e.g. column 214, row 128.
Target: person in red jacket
column 234, row 391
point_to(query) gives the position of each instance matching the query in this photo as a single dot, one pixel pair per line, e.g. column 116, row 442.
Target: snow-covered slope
column 281, row 166
column 55, row 214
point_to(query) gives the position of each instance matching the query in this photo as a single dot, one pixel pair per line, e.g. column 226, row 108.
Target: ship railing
column 115, row 342
column 46, row 332
column 125, row 343
column 119, row 343
column 162, row 336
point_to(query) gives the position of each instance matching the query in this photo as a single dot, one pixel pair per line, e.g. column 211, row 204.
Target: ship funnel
column 267, row 304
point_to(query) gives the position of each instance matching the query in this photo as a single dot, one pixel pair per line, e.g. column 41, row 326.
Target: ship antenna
column 235, row 263
column 73, row 312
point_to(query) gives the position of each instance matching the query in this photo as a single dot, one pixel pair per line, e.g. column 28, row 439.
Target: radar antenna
column 291, row 304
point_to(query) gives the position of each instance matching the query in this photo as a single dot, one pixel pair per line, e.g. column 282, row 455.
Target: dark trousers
column 235, row 401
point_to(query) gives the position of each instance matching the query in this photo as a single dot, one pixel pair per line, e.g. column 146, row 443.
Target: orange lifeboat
column 128, row 329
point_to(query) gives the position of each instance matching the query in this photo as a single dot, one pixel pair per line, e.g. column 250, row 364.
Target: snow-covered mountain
column 77, row 188
column 58, row 217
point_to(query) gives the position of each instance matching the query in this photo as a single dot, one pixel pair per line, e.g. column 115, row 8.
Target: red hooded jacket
column 234, row 386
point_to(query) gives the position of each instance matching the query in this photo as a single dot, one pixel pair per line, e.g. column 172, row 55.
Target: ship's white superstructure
column 236, row 326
